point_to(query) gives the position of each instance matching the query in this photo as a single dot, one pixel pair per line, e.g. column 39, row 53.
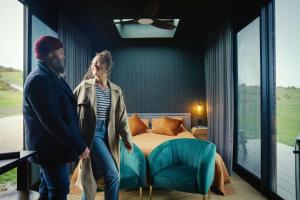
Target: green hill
column 287, row 112
column 8, row 69
column 10, row 98
column 11, row 75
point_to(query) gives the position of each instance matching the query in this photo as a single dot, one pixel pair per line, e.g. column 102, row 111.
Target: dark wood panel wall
column 160, row 76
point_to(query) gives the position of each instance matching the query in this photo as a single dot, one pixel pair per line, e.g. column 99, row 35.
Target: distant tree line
column 8, row 69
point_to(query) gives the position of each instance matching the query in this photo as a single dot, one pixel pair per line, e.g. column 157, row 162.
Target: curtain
column 78, row 50
column 218, row 59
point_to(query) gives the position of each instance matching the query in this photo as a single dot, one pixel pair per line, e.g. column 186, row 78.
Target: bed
column 148, row 140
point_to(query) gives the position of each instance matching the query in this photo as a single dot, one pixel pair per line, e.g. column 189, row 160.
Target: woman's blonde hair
column 105, row 57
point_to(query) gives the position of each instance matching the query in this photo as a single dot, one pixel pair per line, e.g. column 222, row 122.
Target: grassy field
column 287, row 113
column 249, row 111
column 15, row 77
column 10, row 176
column 10, row 99
column 10, row 103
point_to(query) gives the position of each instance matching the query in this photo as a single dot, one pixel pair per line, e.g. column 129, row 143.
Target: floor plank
column 285, row 166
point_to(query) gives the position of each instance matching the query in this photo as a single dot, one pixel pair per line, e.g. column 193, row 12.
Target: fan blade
column 126, row 21
column 163, row 24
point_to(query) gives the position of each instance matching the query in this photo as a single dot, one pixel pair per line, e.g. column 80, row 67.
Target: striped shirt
column 103, row 103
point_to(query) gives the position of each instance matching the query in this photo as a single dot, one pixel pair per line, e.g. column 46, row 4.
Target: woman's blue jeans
column 103, row 163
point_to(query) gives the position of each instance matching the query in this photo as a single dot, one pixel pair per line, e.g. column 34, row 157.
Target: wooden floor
column 285, row 166
column 242, row 191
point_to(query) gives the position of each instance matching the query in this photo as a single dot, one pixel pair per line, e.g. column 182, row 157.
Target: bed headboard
column 186, row 117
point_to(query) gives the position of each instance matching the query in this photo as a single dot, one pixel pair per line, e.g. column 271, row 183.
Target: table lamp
column 199, row 113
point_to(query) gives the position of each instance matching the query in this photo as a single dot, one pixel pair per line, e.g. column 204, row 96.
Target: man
column 51, row 121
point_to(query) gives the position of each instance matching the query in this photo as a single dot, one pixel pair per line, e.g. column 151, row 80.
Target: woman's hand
column 85, row 153
column 128, row 146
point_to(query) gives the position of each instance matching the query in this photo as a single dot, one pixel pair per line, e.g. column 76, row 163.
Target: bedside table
column 200, row 132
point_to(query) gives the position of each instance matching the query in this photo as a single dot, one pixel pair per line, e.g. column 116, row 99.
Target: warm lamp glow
column 199, row 109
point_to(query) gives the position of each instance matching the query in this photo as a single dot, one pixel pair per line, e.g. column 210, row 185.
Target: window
column 287, row 31
column 248, row 98
column 11, row 84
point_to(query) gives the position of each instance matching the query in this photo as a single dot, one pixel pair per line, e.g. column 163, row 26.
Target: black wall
column 159, row 76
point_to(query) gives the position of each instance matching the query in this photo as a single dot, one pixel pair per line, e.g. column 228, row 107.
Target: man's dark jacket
column 50, row 117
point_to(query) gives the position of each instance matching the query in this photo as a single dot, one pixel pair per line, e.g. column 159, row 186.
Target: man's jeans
column 54, row 182
column 103, row 163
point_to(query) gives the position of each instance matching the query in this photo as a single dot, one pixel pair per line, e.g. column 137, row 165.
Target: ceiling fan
column 148, row 17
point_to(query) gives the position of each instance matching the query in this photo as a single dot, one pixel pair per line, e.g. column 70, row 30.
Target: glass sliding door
column 287, row 40
column 249, row 98
column 268, row 98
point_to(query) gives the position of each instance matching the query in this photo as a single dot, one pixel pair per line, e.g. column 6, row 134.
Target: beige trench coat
column 117, row 126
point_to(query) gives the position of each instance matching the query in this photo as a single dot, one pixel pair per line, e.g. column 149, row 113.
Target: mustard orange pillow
column 146, row 122
column 166, row 125
column 136, row 125
column 181, row 128
column 156, row 121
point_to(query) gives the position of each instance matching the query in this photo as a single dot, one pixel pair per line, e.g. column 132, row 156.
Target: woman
column 103, row 119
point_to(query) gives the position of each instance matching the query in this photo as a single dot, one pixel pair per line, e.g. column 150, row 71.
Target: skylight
column 130, row 28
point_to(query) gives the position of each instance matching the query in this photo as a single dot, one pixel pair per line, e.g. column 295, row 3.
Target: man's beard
column 58, row 66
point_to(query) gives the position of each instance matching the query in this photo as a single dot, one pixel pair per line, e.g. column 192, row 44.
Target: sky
column 249, row 54
column 287, row 47
column 287, row 33
column 11, row 34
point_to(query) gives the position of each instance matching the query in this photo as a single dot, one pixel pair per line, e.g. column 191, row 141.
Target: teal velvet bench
column 186, row 165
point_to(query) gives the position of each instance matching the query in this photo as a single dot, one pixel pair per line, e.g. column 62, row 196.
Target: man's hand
column 85, row 153
column 128, row 146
